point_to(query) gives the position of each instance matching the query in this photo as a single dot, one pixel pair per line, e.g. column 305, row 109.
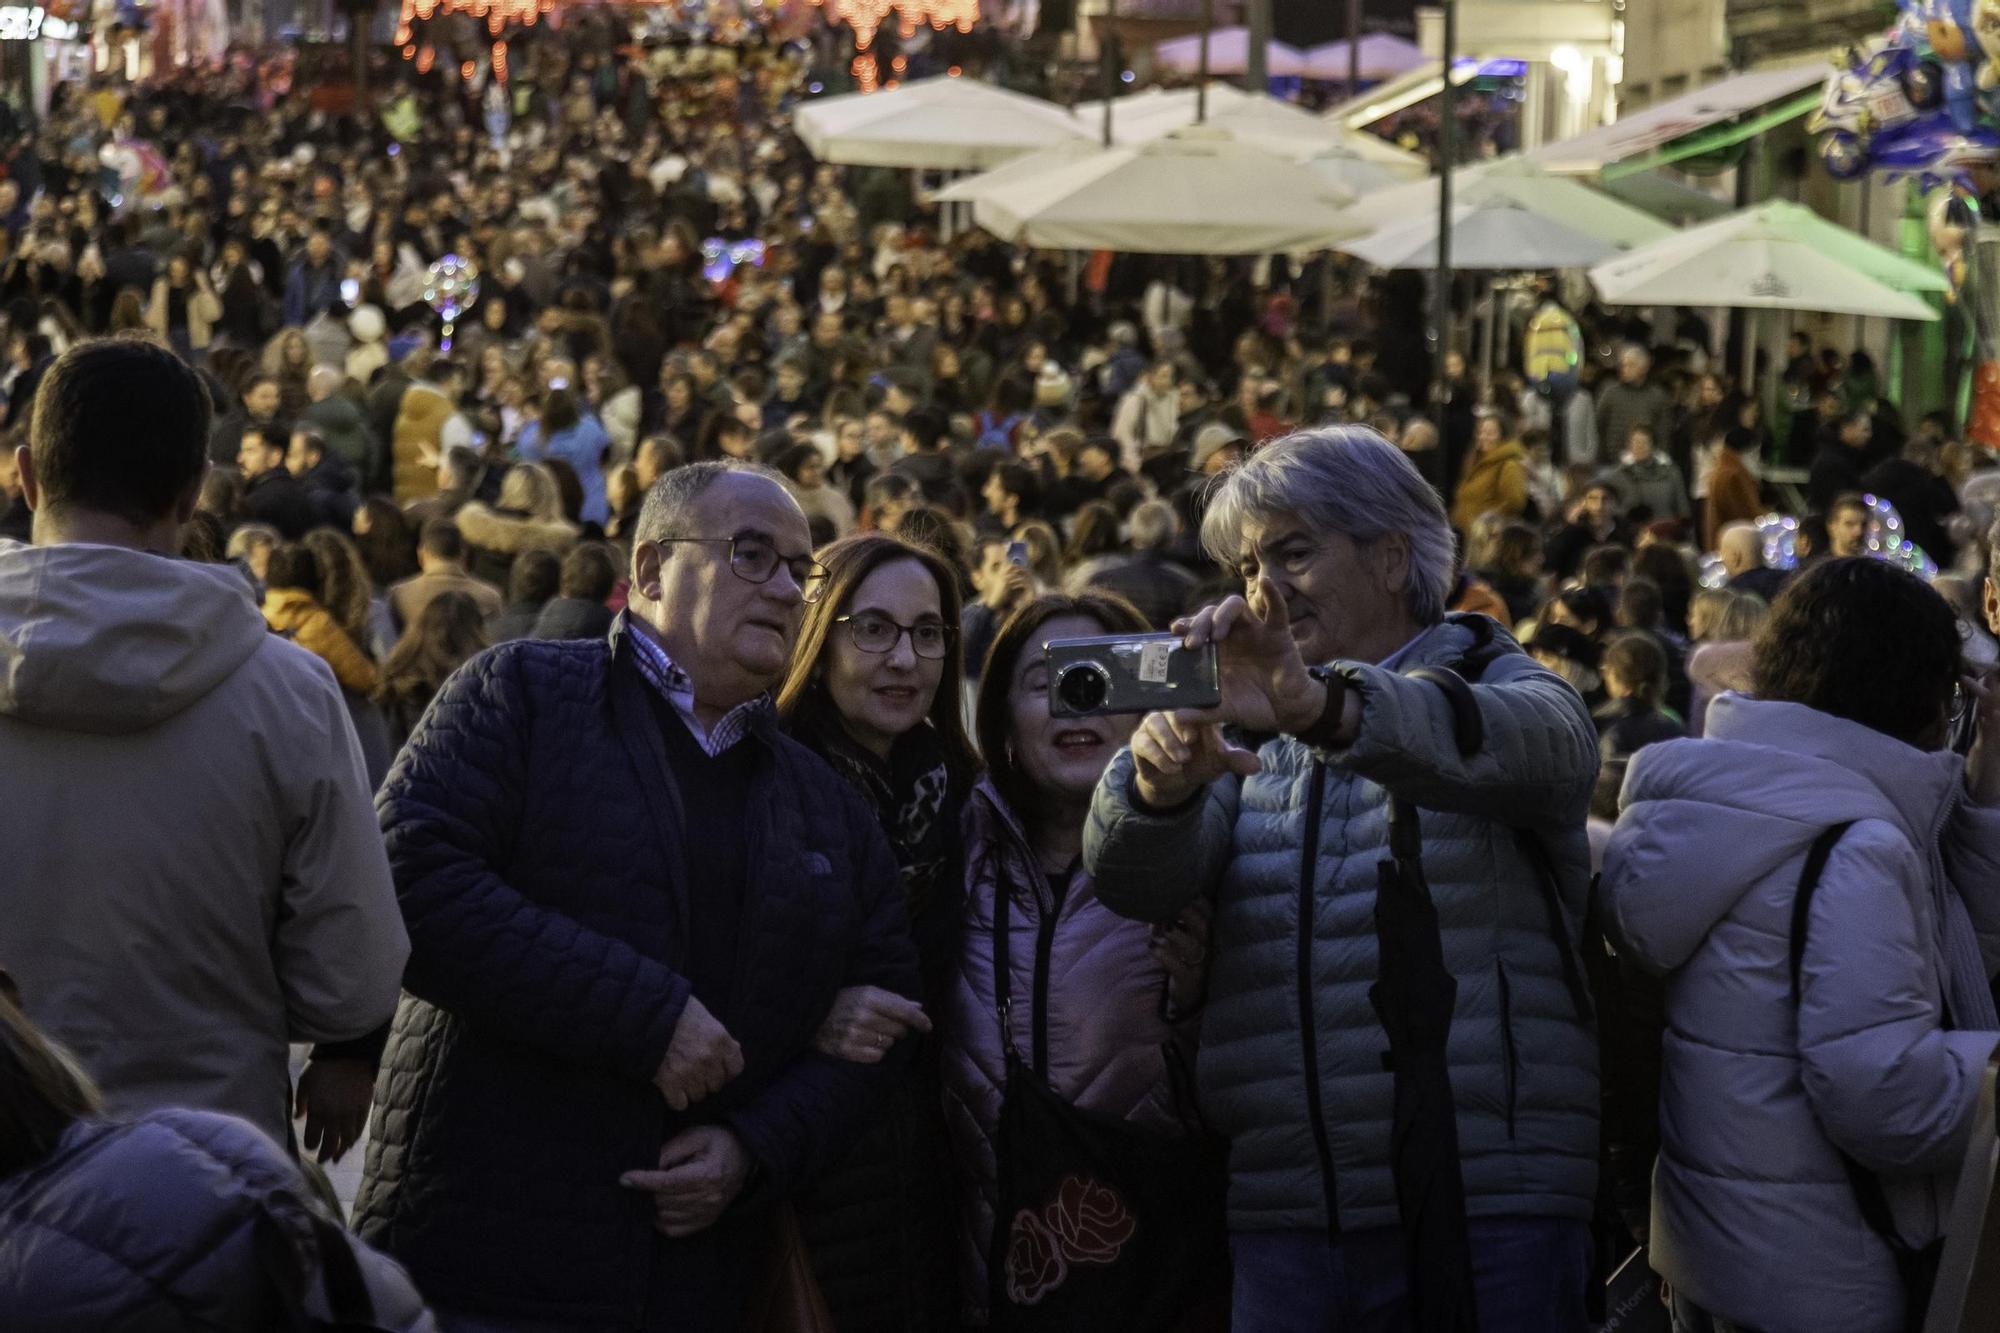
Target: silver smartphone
column 1130, row 673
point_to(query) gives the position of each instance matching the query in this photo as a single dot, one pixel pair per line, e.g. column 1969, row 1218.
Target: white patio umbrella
column 1350, row 173
column 1163, row 102
column 1560, row 199
column 1276, row 127
column 1383, row 56
column 1193, row 192
column 1494, row 234
column 1228, row 53
column 942, row 123
column 1776, row 256
column 1010, row 175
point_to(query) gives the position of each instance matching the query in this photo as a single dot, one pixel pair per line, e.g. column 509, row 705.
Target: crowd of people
column 735, row 919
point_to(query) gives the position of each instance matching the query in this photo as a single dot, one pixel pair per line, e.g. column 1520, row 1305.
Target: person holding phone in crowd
column 1346, row 555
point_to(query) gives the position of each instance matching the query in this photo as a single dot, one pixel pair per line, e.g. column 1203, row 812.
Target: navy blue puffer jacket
column 179, row 1221
column 535, row 831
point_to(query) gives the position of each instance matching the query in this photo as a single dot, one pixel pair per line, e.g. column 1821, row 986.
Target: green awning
column 1714, row 139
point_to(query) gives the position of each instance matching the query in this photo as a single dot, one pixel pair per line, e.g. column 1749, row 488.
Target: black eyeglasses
column 755, row 560
column 929, row 639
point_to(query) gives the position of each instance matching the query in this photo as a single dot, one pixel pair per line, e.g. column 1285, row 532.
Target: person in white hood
column 1821, row 1063
column 194, row 875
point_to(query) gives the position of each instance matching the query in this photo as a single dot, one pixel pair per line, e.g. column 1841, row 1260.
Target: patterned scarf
column 911, row 797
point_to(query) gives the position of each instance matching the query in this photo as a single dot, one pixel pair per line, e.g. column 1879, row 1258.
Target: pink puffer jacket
column 1104, row 994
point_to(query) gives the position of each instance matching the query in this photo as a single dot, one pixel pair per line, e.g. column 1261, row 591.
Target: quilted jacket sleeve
column 479, row 948
column 1534, row 769
column 1150, row 867
column 1972, row 854
column 1887, row 1082
column 813, row 1112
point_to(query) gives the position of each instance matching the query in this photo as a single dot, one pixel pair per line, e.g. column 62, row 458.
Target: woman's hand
column 1181, row 950
column 866, row 1021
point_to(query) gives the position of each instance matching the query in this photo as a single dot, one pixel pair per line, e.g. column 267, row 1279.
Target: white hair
column 1153, row 524
column 1344, row 479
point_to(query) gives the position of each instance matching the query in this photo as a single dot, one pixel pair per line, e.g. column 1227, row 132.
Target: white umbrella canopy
column 1351, row 174
column 1383, row 56
column 1260, row 120
column 1513, row 181
column 1777, row 256
column 1009, row 175
column 944, row 123
column 1496, row 234
column 1228, row 53
column 1162, row 102
column 1195, row 192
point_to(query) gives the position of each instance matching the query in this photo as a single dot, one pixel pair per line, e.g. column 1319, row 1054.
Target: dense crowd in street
column 611, row 741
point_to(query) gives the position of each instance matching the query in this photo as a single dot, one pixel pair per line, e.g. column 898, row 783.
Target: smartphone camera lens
column 1083, row 687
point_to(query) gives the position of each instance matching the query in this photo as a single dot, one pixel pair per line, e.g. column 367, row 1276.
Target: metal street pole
column 1353, row 49
column 1257, row 74
column 1447, row 149
column 1107, row 48
column 1201, row 79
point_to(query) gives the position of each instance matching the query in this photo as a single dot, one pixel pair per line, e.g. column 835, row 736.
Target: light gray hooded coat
column 193, row 874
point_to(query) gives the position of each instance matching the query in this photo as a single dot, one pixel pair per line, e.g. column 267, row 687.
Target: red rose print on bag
column 1090, row 1220
column 1035, row 1263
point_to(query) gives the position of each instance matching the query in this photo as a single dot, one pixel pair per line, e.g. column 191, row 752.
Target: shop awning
column 1426, row 80
column 1703, row 121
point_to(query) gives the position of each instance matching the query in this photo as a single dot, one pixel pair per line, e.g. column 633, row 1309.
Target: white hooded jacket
column 1753, row 1216
column 193, row 873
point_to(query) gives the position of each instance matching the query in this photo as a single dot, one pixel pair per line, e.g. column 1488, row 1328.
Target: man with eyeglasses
column 631, row 901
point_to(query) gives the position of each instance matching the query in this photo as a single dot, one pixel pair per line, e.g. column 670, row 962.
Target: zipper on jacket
column 1045, row 940
column 1508, row 1053
column 1308, row 1027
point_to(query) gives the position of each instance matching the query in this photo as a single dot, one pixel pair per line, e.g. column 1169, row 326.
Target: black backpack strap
column 1469, row 732
column 1537, row 853
column 1468, row 728
column 1868, row 1195
column 1815, row 866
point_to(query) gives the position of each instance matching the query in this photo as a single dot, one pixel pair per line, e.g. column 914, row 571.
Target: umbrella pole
column 1447, row 146
column 1201, row 79
column 1750, row 331
column 1486, row 359
column 1353, row 49
column 1105, row 51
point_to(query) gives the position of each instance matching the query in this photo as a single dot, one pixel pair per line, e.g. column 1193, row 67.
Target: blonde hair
column 531, row 489
column 1725, row 615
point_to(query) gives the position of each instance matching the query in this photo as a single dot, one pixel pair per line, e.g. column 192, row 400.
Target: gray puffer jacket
column 1291, row 1060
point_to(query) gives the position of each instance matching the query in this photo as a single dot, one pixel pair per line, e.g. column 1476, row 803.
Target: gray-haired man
column 1347, row 555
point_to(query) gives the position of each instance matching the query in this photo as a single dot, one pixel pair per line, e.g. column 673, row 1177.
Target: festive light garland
column 867, row 16
column 1886, row 539
column 497, row 13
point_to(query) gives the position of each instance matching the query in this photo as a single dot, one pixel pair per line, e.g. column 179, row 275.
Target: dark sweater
column 714, row 791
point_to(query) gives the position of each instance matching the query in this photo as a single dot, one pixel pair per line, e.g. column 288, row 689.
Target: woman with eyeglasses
column 874, row 689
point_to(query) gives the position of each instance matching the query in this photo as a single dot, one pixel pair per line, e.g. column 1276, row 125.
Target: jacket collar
column 1914, row 784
